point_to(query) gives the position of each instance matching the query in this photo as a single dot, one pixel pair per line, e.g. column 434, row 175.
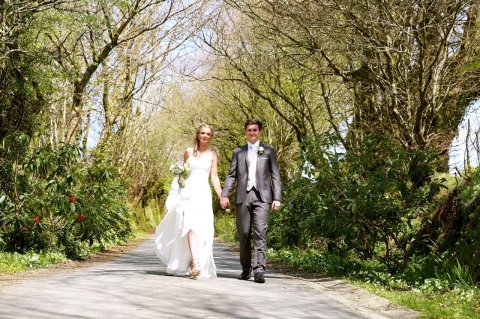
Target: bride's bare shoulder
column 188, row 152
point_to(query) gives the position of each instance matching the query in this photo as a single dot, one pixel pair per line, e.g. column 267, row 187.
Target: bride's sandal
column 194, row 269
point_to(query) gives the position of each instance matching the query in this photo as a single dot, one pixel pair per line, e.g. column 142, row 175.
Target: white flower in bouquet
column 181, row 170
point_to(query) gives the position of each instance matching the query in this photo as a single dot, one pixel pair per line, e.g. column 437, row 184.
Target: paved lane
column 135, row 285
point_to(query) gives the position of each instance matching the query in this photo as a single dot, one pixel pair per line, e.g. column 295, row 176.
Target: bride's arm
column 214, row 175
column 188, row 152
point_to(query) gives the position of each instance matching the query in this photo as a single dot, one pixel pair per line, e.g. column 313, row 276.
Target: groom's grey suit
column 252, row 206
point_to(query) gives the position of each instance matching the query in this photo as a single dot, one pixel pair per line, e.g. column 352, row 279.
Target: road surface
column 135, row 285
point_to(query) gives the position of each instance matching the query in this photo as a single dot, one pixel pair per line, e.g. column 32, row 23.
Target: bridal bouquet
column 181, row 170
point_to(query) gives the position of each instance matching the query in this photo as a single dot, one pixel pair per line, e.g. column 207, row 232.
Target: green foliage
column 57, row 200
column 362, row 200
column 456, row 229
column 225, row 228
column 459, row 276
column 26, row 71
column 433, row 297
column 312, row 260
column 14, row 262
column 102, row 197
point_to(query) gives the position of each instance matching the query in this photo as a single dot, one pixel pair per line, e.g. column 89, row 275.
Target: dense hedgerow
column 56, row 198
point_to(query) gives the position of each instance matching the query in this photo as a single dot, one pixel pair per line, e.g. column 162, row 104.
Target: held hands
column 224, row 202
column 275, row 205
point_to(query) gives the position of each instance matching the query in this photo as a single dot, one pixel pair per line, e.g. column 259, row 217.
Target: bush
column 58, row 200
column 364, row 200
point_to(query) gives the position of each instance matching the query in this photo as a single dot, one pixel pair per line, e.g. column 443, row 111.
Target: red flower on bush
column 80, row 218
column 72, row 199
column 36, row 219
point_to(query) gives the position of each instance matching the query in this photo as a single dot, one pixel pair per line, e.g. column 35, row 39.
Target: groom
column 254, row 169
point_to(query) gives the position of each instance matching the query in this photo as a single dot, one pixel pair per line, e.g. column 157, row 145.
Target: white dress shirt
column 252, row 164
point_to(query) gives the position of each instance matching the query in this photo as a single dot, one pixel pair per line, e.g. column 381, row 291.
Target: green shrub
column 60, row 200
column 364, row 200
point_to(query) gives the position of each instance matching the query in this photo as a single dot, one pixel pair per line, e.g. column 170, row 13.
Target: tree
column 23, row 93
column 405, row 63
column 285, row 78
column 102, row 29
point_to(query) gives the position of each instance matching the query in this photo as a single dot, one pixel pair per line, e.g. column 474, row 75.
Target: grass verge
column 456, row 303
column 433, row 298
column 15, row 263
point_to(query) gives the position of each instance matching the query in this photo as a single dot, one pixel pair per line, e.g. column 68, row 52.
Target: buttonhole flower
column 260, row 150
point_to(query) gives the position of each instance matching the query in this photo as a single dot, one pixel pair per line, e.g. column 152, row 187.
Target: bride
column 184, row 238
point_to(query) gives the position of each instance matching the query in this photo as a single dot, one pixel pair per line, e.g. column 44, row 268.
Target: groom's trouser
column 253, row 213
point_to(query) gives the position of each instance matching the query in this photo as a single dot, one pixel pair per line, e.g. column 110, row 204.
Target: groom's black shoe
column 259, row 277
column 245, row 275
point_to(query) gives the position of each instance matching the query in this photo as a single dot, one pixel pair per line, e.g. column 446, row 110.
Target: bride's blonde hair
column 197, row 140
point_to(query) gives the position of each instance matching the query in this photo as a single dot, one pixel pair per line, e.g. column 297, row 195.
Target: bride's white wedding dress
column 188, row 208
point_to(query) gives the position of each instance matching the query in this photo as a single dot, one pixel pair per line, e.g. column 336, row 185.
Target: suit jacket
column 267, row 175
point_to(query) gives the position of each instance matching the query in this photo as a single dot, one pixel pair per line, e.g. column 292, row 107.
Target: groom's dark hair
column 252, row 122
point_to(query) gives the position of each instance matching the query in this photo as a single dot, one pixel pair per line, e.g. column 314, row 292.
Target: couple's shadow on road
column 226, row 261
column 219, row 275
column 227, row 267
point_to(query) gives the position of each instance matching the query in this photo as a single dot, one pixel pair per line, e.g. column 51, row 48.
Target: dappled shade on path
column 136, row 285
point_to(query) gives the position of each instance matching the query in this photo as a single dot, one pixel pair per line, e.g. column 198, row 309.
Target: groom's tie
column 252, row 166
